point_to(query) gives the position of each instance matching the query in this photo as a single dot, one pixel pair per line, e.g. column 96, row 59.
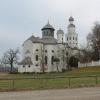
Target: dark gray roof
column 75, row 48
column 49, row 40
column 48, row 26
column 60, row 31
column 26, row 61
column 35, row 39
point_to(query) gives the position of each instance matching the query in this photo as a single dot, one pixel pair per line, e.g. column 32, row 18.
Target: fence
column 48, row 83
column 90, row 64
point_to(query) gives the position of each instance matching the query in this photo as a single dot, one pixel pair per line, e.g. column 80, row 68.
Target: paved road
column 64, row 94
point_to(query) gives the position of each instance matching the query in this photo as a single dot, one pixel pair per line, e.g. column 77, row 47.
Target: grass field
column 82, row 77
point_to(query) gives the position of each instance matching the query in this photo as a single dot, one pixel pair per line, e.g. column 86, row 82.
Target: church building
column 41, row 54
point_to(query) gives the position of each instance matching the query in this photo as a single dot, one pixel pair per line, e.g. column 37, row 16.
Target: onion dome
column 48, row 26
column 71, row 18
column 60, row 31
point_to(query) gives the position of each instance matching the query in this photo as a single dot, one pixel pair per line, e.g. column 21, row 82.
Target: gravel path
column 63, row 94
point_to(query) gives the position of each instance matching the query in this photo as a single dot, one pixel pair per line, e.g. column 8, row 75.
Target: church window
column 36, row 57
column 37, row 50
column 73, row 38
column 67, row 38
column 23, row 66
column 52, row 50
column 47, row 32
column 45, row 50
column 46, row 59
column 70, row 38
column 76, row 38
column 36, row 65
column 52, row 60
column 62, row 50
column 44, row 33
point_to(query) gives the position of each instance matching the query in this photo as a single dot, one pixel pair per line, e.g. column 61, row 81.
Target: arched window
column 36, row 57
column 67, row 38
column 70, row 38
column 76, row 38
column 23, row 65
column 73, row 38
column 46, row 51
column 36, row 65
column 52, row 50
column 44, row 33
column 52, row 60
column 37, row 50
column 46, row 59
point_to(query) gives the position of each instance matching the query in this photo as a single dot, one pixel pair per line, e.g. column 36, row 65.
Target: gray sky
column 20, row 18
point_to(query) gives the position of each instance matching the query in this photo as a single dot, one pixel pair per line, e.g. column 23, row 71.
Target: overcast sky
column 20, row 18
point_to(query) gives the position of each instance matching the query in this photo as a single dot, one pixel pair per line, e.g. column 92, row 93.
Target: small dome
column 71, row 18
column 60, row 31
column 48, row 26
column 71, row 25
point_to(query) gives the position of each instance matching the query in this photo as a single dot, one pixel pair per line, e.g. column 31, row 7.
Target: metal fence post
column 96, row 80
column 69, row 82
column 13, row 84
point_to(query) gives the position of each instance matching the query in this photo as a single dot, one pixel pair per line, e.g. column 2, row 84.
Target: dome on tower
column 71, row 18
column 60, row 31
column 48, row 26
column 71, row 25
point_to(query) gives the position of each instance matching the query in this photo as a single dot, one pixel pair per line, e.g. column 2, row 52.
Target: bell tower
column 72, row 36
column 60, row 36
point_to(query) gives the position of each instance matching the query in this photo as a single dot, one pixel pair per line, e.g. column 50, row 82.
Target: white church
column 39, row 53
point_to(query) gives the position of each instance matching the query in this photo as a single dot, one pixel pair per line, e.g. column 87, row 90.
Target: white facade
column 39, row 53
column 72, row 36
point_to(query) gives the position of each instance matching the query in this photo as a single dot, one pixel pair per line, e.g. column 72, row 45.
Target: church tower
column 60, row 36
column 48, row 31
column 72, row 36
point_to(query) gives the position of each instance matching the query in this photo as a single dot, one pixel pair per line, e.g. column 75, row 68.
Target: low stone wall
column 90, row 64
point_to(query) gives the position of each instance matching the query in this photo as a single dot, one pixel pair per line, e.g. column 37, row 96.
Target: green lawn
column 82, row 77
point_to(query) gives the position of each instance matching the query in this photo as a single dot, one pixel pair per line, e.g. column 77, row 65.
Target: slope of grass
column 79, row 78
column 87, row 69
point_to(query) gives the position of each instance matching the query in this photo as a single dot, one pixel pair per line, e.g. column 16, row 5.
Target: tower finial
column 33, row 34
column 48, row 21
column 71, row 18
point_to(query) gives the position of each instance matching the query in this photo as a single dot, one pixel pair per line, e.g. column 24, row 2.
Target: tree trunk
column 11, row 70
column 57, row 68
column 43, row 68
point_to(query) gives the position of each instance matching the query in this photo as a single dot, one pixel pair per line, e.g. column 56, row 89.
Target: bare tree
column 57, row 60
column 10, row 57
column 63, row 55
column 85, row 55
column 93, row 39
column 41, row 55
